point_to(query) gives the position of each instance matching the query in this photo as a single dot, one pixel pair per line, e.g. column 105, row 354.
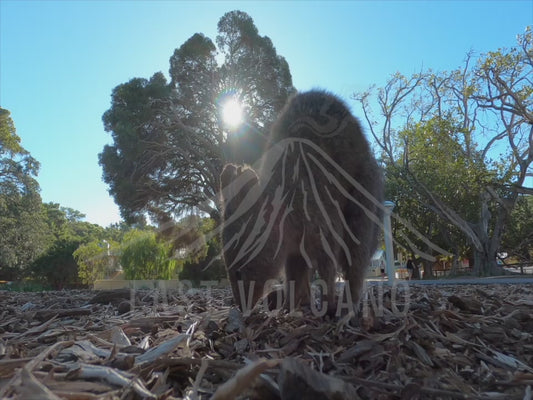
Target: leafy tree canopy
column 65, row 232
column 433, row 164
column 144, row 257
column 169, row 139
column 96, row 260
column 462, row 143
column 518, row 237
column 22, row 235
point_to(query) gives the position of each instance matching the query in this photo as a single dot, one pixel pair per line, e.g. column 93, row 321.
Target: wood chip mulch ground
column 409, row 342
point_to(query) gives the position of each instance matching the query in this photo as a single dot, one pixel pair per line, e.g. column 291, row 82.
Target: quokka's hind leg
column 297, row 282
column 365, row 229
column 327, row 272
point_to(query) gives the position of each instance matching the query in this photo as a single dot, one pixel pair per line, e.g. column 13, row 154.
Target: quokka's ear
column 228, row 175
column 232, row 172
column 236, row 181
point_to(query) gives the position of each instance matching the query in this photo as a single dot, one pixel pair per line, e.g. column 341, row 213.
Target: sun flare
column 232, row 113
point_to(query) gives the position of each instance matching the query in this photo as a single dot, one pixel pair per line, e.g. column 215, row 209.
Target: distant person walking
column 410, row 268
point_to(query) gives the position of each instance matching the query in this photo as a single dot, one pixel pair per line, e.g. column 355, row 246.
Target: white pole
column 389, row 251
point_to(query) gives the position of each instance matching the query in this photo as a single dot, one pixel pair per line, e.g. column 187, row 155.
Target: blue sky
column 60, row 60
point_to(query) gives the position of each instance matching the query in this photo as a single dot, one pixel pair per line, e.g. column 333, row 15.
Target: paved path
column 497, row 280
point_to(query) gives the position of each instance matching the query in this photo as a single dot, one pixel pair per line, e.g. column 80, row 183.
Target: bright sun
column 232, row 113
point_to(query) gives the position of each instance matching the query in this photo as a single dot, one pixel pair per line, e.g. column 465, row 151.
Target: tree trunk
column 428, row 269
column 485, row 262
column 485, row 257
column 455, row 263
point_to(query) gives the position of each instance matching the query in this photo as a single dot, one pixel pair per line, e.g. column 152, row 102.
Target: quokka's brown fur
column 312, row 204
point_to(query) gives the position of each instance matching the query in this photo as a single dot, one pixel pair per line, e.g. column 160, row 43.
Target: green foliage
column 65, row 223
column 205, row 265
column 169, row 140
column 96, row 260
column 434, row 156
column 116, row 232
column 57, row 266
column 143, row 257
column 37, row 240
column 434, row 159
column 211, row 268
column 128, row 119
column 22, row 235
column 518, row 237
column 187, row 237
column 25, row 286
column 65, row 232
column 9, row 141
column 457, row 148
column 176, row 249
